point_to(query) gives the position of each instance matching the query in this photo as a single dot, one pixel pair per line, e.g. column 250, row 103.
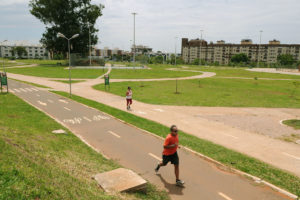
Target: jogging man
column 129, row 97
column 170, row 153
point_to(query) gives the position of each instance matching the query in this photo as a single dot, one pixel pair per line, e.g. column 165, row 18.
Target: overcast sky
column 159, row 21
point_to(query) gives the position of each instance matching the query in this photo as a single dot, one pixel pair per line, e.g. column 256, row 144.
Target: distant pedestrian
column 170, row 153
column 129, row 98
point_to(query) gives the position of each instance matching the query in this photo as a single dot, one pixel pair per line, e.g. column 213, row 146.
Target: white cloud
column 158, row 22
column 12, row 2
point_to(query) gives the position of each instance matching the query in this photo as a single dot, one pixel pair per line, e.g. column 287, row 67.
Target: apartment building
column 140, row 49
column 33, row 51
column 222, row 52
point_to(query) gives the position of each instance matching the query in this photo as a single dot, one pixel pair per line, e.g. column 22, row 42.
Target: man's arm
column 170, row 146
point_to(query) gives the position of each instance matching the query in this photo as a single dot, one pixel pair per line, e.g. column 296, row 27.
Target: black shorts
column 171, row 158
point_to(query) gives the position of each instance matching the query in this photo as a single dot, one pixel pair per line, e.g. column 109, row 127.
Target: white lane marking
column 28, row 89
column 114, row 134
column 292, row 156
column 34, row 89
column 99, row 117
column 159, row 110
column 76, row 120
column 50, row 101
column 17, row 90
column 38, row 95
column 224, row 196
column 154, row 156
column 87, row 119
column 12, row 91
column 67, row 108
column 42, row 103
column 230, row 135
column 63, row 101
column 22, row 90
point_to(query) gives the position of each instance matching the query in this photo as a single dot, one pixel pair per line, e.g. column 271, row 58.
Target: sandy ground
column 252, row 131
column 273, row 70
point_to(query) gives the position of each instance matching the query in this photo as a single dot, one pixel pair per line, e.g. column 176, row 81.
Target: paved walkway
column 196, row 121
column 21, row 66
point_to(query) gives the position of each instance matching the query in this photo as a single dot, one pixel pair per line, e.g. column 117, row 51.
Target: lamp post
column 3, row 56
column 134, row 14
column 73, row 37
column 90, row 52
column 258, row 53
column 200, row 48
column 175, row 49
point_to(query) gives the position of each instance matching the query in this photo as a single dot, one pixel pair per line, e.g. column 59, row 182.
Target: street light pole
column 90, row 44
column 258, row 53
column 69, row 50
column 200, row 48
column 134, row 14
column 175, row 49
column 3, row 56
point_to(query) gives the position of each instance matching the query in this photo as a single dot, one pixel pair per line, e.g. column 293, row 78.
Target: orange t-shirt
column 170, row 139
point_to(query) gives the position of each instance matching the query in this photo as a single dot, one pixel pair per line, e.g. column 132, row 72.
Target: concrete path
column 141, row 151
column 22, row 66
column 196, row 121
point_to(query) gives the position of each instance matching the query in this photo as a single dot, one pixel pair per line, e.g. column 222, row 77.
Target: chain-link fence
column 78, row 60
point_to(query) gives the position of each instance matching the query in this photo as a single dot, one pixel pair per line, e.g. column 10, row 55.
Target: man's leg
column 164, row 162
column 176, row 167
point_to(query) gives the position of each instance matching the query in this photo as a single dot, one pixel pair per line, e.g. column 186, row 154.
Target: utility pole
column 90, row 52
column 200, row 48
column 134, row 14
column 175, row 49
column 2, row 55
column 258, row 53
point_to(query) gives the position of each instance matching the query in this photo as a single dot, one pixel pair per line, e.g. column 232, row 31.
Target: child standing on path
column 170, row 153
column 129, row 98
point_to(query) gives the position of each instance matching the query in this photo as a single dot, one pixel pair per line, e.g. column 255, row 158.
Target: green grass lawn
column 156, row 71
column 226, row 156
column 37, row 164
column 57, row 72
column 67, row 81
column 213, row 92
column 242, row 72
column 295, row 123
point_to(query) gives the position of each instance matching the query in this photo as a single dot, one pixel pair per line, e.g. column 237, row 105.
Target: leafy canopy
column 286, row 59
column 239, row 58
column 69, row 17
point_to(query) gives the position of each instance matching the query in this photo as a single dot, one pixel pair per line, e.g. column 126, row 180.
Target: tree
column 196, row 61
column 20, row 51
column 286, row 59
column 158, row 59
column 239, row 58
column 68, row 17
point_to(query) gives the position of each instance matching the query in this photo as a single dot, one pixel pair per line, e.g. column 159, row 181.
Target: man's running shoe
column 179, row 183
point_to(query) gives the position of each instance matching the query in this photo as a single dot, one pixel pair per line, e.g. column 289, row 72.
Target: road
column 140, row 151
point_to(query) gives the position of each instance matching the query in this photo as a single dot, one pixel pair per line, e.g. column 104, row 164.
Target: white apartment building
column 222, row 52
column 33, row 51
